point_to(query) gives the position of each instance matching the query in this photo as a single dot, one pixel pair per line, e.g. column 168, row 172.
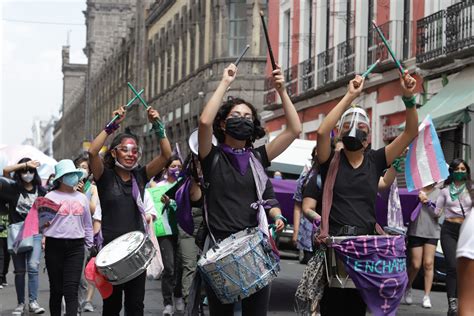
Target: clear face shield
column 354, row 128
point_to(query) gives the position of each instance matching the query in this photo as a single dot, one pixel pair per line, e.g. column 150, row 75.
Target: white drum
column 125, row 257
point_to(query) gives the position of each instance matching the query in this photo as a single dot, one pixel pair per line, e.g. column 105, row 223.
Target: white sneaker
column 168, row 310
column 179, row 304
column 19, row 309
column 408, row 297
column 34, row 307
column 426, row 302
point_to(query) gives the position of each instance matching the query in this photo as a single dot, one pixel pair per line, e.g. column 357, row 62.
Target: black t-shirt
column 312, row 190
column 355, row 191
column 230, row 194
column 120, row 213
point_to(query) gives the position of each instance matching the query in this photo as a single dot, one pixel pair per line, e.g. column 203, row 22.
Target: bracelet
column 409, row 101
column 110, row 128
column 158, row 127
column 279, row 216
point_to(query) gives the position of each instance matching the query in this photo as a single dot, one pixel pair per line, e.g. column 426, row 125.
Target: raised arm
column 386, row 181
column 323, row 148
column 24, row 165
column 210, row 111
column 159, row 162
column 293, row 126
column 395, row 148
column 95, row 162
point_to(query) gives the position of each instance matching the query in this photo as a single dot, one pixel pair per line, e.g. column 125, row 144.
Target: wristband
column 279, row 216
column 409, row 101
column 110, row 128
column 158, row 127
column 396, row 164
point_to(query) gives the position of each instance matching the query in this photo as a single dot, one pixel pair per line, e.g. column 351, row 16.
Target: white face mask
column 118, row 164
column 27, row 177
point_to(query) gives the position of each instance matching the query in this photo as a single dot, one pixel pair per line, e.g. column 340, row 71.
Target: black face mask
column 239, row 128
column 354, row 143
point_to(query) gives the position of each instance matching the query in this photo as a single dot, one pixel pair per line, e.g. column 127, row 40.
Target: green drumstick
column 400, row 68
column 139, row 97
column 368, row 71
column 126, row 107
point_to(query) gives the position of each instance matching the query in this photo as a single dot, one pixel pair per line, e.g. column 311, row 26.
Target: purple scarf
column 184, row 210
column 239, row 158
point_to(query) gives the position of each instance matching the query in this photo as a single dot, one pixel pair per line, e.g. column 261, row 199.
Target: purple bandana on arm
column 239, row 158
column 377, row 265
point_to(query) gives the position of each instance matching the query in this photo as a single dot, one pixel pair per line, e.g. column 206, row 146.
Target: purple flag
column 377, row 265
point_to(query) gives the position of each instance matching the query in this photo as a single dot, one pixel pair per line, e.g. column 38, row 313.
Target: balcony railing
column 459, row 26
column 376, row 49
column 291, row 80
column 270, row 96
column 326, row 67
column 446, row 33
column 430, row 37
column 306, row 75
column 346, row 59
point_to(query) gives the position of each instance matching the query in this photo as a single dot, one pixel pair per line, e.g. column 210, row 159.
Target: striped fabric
column 425, row 163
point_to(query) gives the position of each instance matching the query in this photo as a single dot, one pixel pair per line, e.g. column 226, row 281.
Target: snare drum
column 239, row 266
column 125, row 258
column 335, row 271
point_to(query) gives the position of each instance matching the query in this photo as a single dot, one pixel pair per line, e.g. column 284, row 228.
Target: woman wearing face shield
column 116, row 177
column 232, row 188
column 359, row 170
column 22, row 194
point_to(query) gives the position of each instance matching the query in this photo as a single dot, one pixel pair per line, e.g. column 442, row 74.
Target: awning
column 449, row 107
column 294, row 158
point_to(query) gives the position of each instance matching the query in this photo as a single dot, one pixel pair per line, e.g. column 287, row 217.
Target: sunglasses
column 30, row 170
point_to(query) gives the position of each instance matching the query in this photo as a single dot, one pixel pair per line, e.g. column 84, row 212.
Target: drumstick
column 236, row 63
column 269, row 46
column 126, row 107
column 270, row 52
column 138, row 96
column 368, row 71
column 400, row 68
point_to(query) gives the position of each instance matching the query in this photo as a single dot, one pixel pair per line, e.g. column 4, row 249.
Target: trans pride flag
column 425, row 163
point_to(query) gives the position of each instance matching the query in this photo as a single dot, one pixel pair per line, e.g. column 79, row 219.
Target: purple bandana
column 184, row 210
column 377, row 265
column 239, row 158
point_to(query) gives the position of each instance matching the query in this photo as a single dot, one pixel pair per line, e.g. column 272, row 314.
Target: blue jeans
column 27, row 262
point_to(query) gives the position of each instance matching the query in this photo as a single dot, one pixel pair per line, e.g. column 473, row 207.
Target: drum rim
column 126, row 257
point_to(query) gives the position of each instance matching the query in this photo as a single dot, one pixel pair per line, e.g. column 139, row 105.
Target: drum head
column 119, row 248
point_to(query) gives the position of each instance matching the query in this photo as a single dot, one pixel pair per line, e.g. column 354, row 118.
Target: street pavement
column 281, row 302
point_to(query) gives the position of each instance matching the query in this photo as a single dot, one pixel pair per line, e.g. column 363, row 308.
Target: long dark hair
column 258, row 131
column 452, row 166
column 17, row 175
column 109, row 160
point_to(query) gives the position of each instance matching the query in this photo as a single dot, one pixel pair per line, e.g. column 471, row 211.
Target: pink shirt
column 452, row 208
column 73, row 220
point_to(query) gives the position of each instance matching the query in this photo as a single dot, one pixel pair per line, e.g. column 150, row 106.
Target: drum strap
column 139, row 201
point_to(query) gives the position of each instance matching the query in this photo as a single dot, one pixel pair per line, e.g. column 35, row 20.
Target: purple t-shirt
column 73, row 220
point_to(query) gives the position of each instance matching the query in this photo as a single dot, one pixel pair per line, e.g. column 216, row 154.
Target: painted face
column 127, row 153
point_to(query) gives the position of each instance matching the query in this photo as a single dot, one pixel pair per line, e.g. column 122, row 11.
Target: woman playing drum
column 116, row 177
column 232, row 188
column 359, row 171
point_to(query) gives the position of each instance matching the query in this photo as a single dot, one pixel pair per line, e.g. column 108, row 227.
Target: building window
column 170, row 116
column 186, row 108
column 168, row 69
column 178, row 113
column 237, row 26
column 406, row 29
column 286, row 39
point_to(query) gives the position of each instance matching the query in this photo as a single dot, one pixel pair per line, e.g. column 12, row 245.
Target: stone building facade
column 176, row 50
column 189, row 43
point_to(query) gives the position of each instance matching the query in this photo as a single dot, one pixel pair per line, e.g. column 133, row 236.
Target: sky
column 32, row 34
